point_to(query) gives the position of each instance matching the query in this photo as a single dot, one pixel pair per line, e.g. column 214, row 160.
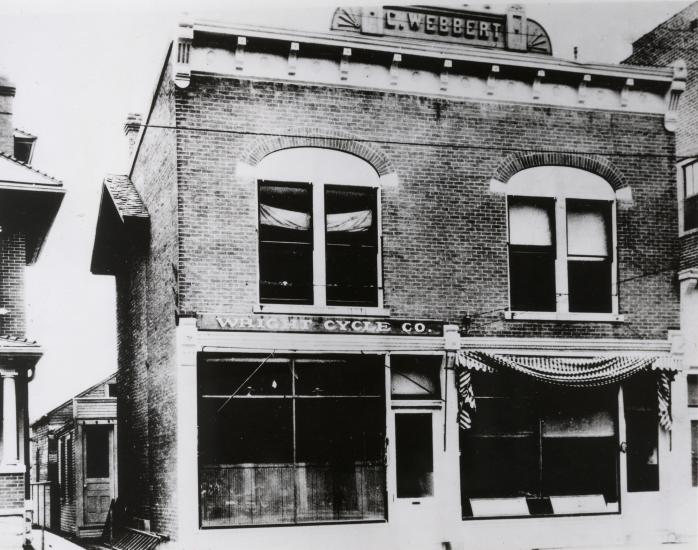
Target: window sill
column 688, row 232
column 568, row 316
column 12, row 469
column 321, row 310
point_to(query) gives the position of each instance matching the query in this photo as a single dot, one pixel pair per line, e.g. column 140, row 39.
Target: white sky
column 81, row 66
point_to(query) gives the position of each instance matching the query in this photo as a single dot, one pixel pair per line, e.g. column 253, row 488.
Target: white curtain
column 351, row 222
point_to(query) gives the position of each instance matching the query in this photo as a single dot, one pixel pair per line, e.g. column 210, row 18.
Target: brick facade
column 444, row 232
column 12, row 263
column 458, row 268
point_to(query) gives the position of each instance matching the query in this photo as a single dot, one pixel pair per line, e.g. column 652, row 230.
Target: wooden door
column 98, row 482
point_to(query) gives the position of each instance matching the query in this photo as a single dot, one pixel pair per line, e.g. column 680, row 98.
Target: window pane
column 415, row 377
column 415, row 459
column 689, row 180
column 589, row 285
column 97, row 451
column 690, row 213
column 532, row 279
column 351, row 246
column 267, row 457
column 285, row 243
column 530, row 221
column 340, row 459
column 692, row 380
column 640, row 398
column 588, row 228
column 359, row 376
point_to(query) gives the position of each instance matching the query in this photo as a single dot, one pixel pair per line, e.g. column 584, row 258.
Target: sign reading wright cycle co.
column 320, row 324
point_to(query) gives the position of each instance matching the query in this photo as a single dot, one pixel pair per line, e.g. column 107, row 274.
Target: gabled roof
column 125, row 197
column 122, row 219
column 111, row 379
column 15, row 172
column 23, row 135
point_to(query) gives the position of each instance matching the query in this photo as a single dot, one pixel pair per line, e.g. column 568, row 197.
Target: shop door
column 416, row 459
column 98, row 480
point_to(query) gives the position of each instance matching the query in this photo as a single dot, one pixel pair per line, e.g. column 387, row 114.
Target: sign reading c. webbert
column 320, row 324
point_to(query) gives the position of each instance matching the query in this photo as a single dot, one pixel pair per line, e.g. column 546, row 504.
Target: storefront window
column 539, row 449
column 291, row 441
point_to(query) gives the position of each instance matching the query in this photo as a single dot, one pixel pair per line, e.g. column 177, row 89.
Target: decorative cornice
column 678, row 86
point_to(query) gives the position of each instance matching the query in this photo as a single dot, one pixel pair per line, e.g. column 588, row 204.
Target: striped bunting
column 567, row 371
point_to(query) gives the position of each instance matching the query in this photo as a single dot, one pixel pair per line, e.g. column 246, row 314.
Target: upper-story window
column 690, row 196
column 318, row 229
column 561, row 242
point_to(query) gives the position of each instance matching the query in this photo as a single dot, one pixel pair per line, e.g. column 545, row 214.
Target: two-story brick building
column 407, row 283
column 29, row 201
column 677, row 38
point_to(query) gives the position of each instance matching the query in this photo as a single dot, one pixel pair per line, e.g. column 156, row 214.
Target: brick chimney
column 131, row 128
column 7, row 96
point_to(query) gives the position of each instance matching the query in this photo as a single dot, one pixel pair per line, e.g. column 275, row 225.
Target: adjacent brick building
column 673, row 40
column 379, row 284
column 29, row 201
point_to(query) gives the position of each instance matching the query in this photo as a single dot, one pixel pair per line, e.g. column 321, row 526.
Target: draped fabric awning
column 567, row 371
column 350, row 222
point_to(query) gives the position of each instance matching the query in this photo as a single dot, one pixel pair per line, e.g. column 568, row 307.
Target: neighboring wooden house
column 74, row 474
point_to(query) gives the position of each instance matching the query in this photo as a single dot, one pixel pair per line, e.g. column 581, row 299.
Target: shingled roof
column 126, row 199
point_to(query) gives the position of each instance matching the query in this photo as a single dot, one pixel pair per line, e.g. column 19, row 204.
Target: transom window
column 561, row 247
column 690, row 196
column 318, row 229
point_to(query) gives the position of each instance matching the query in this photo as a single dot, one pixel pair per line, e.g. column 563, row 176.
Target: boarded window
column 531, row 254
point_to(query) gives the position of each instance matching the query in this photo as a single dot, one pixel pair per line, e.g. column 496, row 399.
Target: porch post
column 10, row 453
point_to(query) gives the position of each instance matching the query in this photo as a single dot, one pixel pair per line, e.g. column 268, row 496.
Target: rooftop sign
column 510, row 31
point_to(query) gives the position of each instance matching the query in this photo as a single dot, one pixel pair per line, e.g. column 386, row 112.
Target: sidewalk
column 51, row 542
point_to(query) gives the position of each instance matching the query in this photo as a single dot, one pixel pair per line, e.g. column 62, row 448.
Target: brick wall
column 146, row 311
column 677, row 38
column 12, row 265
column 445, row 253
column 11, row 491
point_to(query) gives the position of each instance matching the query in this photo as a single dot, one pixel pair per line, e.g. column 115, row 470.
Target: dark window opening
column 692, row 382
column 111, row 390
column 531, row 254
column 97, row 451
column 351, row 242
column 694, row 453
column 690, row 194
column 535, row 445
column 414, row 455
column 415, row 377
column 590, row 258
column 642, row 432
column 301, row 440
column 285, row 243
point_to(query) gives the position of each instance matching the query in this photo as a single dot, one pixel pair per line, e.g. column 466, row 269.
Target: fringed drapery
column 567, row 371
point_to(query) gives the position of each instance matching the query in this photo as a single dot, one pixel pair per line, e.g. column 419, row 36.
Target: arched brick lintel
column 316, row 137
column 596, row 164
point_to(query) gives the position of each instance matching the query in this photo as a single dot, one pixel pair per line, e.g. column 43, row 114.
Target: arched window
column 318, row 229
column 562, row 254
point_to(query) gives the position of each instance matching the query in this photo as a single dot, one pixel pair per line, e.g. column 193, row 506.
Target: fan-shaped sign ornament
column 509, row 31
